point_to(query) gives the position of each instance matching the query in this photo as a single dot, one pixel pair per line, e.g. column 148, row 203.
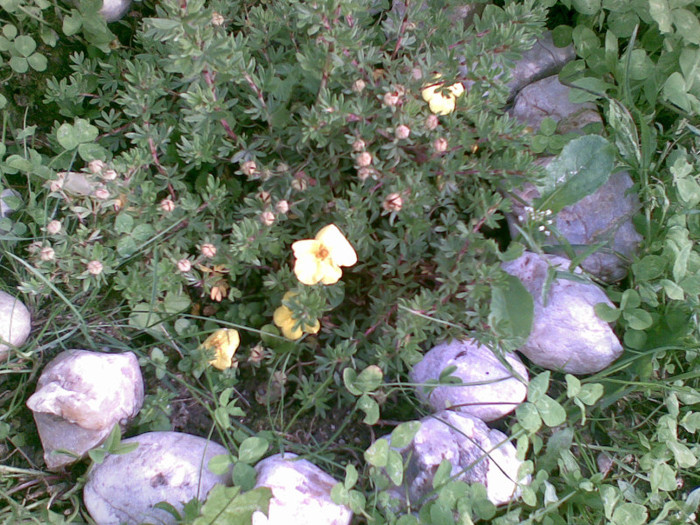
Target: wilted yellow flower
column 442, row 103
column 224, row 342
column 286, row 322
column 320, row 259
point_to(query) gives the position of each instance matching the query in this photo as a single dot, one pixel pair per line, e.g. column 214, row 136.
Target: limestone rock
column 490, row 390
column 477, row 454
column 605, row 216
column 166, row 466
column 80, row 396
column 550, row 98
column 543, row 60
column 301, row 493
column 15, row 323
column 113, row 10
column 566, row 333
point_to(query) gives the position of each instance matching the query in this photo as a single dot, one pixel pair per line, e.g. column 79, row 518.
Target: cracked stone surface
column 166, row 466
column 566, row 335
column 490, row 389
column 477, row 454
column 605, row 216
column 15, row 323
column 301, row 493
column 80, row 396
column 550, row 98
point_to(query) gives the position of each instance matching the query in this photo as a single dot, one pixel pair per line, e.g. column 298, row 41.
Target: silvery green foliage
column 166, row 467
column 491, row 389
column 80, row 396
column 566, row 335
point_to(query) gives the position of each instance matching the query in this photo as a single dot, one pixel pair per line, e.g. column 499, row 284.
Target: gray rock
column 566, row 333
column 490, row 389
column 477, row 454
column 80, row 396
column 550, row 98
column 605, row 216
column 15, row 323
column 113, row 10
column 165, row 467
column 543, row 60
column 301, row 493
column 7, row 208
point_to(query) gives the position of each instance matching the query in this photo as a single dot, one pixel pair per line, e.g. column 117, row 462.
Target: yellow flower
column 224, row 342
column 320, row 259
column 442, row 103
column 288, row 324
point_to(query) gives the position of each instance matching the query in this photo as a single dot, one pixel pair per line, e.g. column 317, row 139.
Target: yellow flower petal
column 224, row 342
column 284, row 320
column 429, row 92
column 456, row 90
column 441, row 105
column 341, row 251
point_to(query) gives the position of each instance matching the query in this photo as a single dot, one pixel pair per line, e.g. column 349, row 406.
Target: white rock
column 566, row 334
column 15, row 323
column 113, row 10
column 80, row 396
column 477, row 454
column 550, row 98
column 301, row 493
column 166, row 467
column 490, row 389
column 605, row 216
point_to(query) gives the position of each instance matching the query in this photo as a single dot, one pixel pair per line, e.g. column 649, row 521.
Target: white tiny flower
column 184, row 265
column 208, row 250
column 53, row 227
column 47, row 253
column 94, row 267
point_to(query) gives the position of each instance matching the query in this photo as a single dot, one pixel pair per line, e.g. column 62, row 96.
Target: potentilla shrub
column 326, row 176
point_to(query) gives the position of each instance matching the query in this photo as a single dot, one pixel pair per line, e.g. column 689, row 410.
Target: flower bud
column 267, row 218
column 393, row 202
column 282, row 207
column 358, row 145
column 416, row 73
column 101, row 193
column 392, row 98
column 94, row 267
column 208, row 250
column 364, row 173
column 217, row 19
column 299, row 184
column 364, row 159
column 53, row 227
column 257, row 354
column 249, row 168
column 96, row 166
column 402, row 132
column 440, row 145
column 264, row 196
column 47, row 253
column 109, row 175
column 167, row 205
column 431, row 122
column 184, row 265
column 56, row 185
column 358, row 86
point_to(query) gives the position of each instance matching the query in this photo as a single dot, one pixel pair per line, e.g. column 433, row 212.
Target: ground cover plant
column 277, row 169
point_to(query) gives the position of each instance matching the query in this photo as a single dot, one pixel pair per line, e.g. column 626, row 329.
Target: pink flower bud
column 53, row 227
column 402, row 132
column 392, row 98
column 358, row 86
column 393, row 202
column 267, row 218
column 167, row 205
column 358, row 145
column 431, row 122
column 109, row 175
column 264, row 196
column 208, row 250
column 440, row 145
column 96, row 166
column 364, row 159
column 94, row 267
column 217, row 19
column 282, row 207
column 184, row 265
column 249, row 168
column 101, row 193
column 47, row 253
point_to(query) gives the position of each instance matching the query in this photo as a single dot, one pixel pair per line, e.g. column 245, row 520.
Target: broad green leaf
column 591, row 393
column 252, row 449
column 367, row 381
column 683, row 455
column 370, row 407
column 538, row 387
column 244, row 475
column 662, row 477
column 638, row 319
column 661, row 13
column 220, row 464
column 19, row 64
column 123, row 223
column 66, row 137
column 573, row 386
column 585, row 41
column 91, row 151
column 394, row 467
column 404, row 433
column 580, row 169
column 442, row 474
column 512, row 309
column 377, row 454
column 606, row 312
column 164, row 24
column 689, row 192
column 673, row 291
column 38, row 62
column 551, row 412
column 351, row 476
column 72, row 23
column 228, row 505
column 675, row 91
column 84, row 131
column 528, row 417
column 25, row 45
column 650, row 267
column 687, row 25
column 587, row 7
column 622, row 24
column 9, row 31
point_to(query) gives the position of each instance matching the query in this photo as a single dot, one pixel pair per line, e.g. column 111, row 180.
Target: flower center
column 322, row 252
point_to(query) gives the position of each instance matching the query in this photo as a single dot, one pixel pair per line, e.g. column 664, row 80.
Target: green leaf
column 244, row 475
column 562, row 35
column 220, row 464
column 675, row 91
column 512, row 309
column 662, row 477
column 673, row 291
column 630, row 514
column 38, row 62
column 582, row 167
column 687, row 25
column 551, row 412
column 164, row 24
column 84, row 131
column 683, row 455
column 252, row 449
column 228, row 505
column 606, row 312
column 91, row 151
column 123, row 223
column 661, row 13
column 442, row 474
column 175, row 303
column 394, row 467
column 66, row 137
column 528, row 417
column 367, row 381
column 585, row 41
column 351, row 476
column 404, row 433
column 587, row 7
column 72, row 23
column 19, row 64
column 650, row 267
column 573, row 386
column 591, row 393
column 538, row 387
column 377, row 454
column 370, row 407
column 638, row 319
column 25, row 45
column 10, row 32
